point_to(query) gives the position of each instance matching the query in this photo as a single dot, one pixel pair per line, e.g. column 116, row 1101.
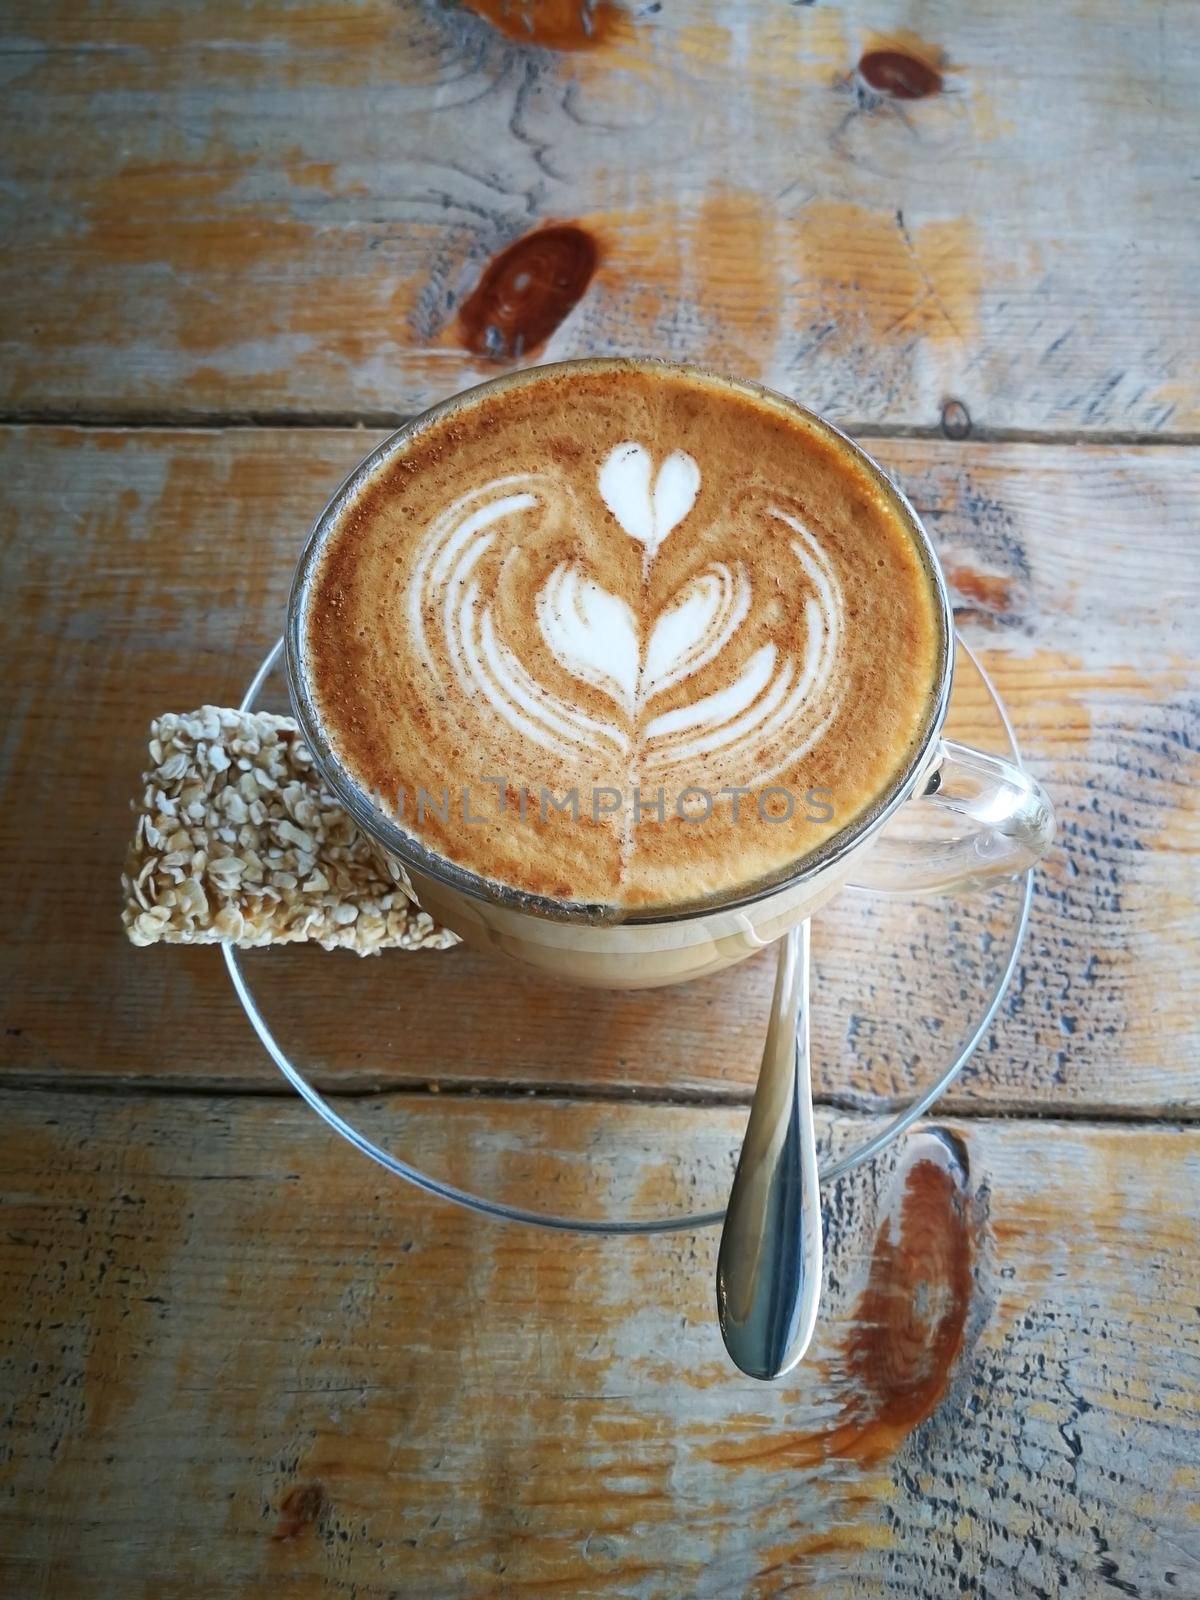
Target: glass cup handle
column 976, row 818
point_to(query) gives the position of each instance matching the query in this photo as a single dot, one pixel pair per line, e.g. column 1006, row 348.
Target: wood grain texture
column 147, row 571
column 238, row 1359
column 282, row 210
column 235, row 1357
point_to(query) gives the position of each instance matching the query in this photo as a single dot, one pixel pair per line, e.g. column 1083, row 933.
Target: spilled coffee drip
column 622, row 635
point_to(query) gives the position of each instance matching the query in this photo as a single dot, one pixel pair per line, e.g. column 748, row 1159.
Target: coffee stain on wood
column 527, row 291
column 554, row 24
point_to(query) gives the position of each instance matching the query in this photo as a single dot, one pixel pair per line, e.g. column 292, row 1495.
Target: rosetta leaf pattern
column 773, row 707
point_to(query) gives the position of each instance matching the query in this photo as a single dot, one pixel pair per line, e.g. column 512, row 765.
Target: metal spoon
column 769, row 1264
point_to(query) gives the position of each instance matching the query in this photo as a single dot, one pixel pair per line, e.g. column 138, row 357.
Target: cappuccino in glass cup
column 627, row 666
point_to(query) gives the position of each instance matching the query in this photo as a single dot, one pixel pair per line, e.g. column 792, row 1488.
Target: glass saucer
column 903, row 991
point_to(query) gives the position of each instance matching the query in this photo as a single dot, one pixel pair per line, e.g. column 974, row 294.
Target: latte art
column 769, row 713
column 620, row 582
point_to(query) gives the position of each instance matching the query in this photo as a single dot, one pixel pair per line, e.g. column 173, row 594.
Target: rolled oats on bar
column 237, row 839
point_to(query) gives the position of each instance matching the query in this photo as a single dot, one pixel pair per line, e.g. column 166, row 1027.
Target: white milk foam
column 767, row 717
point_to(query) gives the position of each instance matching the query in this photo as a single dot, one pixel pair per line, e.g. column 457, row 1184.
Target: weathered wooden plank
column 147, row 571
column 237, row 1358
column 286, row 209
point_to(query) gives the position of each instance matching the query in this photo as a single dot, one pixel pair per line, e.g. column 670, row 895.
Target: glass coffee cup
column 953, row 817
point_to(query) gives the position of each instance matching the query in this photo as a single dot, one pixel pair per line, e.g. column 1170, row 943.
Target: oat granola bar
column 237, row 839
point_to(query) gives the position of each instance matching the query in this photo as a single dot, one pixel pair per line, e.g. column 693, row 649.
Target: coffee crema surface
column 622, row 635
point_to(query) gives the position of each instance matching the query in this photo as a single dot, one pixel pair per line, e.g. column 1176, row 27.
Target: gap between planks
column 201, row 421
column 1084, row 1113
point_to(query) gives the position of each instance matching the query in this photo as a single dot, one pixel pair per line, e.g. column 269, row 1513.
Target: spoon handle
column 769, row 1264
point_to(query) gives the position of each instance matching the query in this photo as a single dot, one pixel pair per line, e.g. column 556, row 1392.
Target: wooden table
column 236, row 1358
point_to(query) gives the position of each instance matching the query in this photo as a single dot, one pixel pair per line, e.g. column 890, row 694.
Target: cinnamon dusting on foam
column 614, row 578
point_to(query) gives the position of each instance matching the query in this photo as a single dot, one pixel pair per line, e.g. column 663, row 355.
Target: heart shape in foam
column 648, row 512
